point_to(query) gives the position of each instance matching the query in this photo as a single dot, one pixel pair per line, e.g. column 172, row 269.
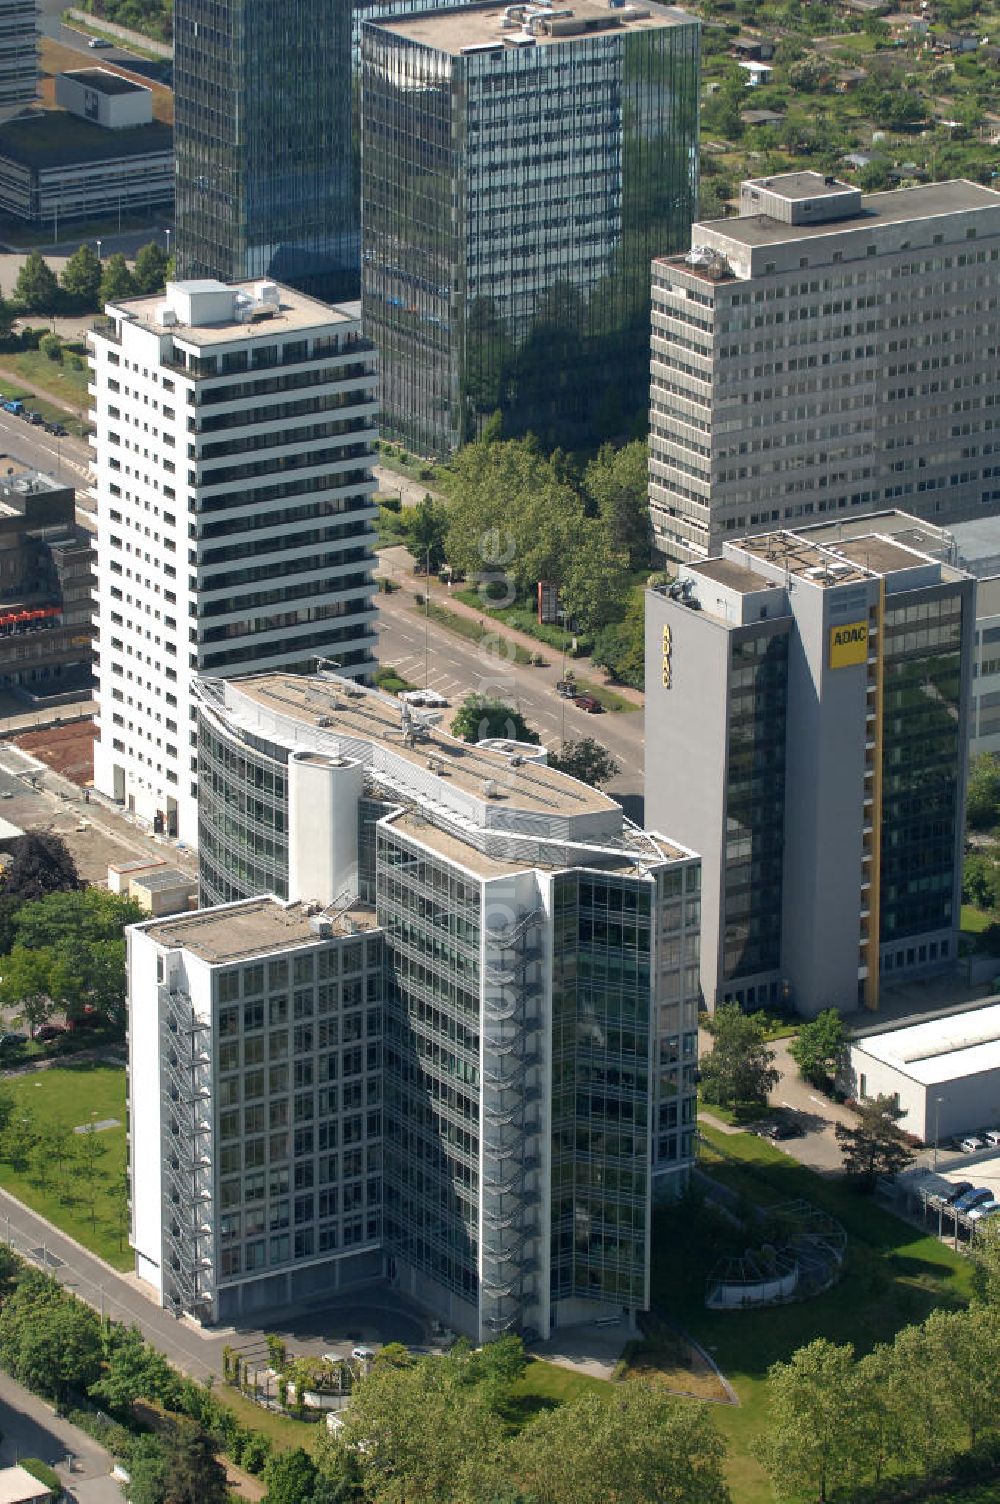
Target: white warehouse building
column 944, row 1073
column 235, row 430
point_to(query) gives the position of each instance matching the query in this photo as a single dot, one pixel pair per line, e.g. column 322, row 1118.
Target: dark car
column 588, row 703
column 11, row 1041
column 37, row 419
column 780, row 1128
column 48, row 1032
column 58, row 430
column 959, row 1189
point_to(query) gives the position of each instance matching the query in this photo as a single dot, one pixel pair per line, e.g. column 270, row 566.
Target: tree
column 194, row 1473
column 980, row 880
column 26, row 984
column 426, row 530
column 150, row 271
column 20, row 1134
column 290, row 1477
column 133, row 1370
column 982, row 797
column 7, row 317
column 632, row 1446
column 587, row 760
column 117, row 282
column 616, row 483
column 51, row 346
column 36, row 289
column 621, row 647
column 964, row 1352
column 809, row 1446
column 984, row 1251
column 739, row 1069
column 479, row 717
column 818, row 1048
column 49, row 1340
column 419, row 1435
column 594, row 580
column 91, row 1152
column 90, row 914
column 81, row 277
column 147, row 1470
column 876, row 1147
column 39, row 863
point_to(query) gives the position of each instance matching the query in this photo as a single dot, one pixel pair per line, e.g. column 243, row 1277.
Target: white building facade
column 234, row 432
column 826, row 352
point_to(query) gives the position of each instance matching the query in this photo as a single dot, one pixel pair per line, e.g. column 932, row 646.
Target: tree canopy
column 982, row 799
column 40, row 863
column 818, row 1048
column 480, row 717
column 587, row 760
column 739, row 1070
column 81, row 277
column 876, row 1146
column 117, row 281
column 36, row 289
column 426, row 531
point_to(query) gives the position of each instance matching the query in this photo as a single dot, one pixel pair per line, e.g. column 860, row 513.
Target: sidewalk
column 396, row 563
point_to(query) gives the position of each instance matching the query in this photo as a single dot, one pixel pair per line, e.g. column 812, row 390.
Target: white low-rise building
column 944, row 1073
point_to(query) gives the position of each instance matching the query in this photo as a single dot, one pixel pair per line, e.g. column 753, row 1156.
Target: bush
column 52, row 346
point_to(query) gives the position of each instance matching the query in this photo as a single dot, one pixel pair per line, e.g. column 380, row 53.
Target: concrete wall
column 323, row 800
column 114, row 111
column 968, row 1103
column 146, row 1235
column 686, row 753
column 824, row 793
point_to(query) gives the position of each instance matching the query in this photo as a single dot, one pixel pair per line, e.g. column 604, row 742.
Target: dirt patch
column 68, row 750
column 664, row 1357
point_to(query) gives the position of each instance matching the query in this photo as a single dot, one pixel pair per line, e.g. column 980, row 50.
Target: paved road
column 30, row 1428
column 457, row 667
column 67, row 459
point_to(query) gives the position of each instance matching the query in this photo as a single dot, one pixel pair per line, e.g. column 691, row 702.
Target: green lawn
column 60, row 378
column 974, row 920
column 284, row 1431
column 70, row 1096
column 464, row 626
column 895, row 1276
column 10, row 389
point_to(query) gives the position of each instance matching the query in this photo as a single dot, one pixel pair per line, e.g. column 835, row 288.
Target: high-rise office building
column 520, row 166
column 18, row 56
column 826, row 352
column 536, row 1017
column 234, row 432
column 807, row 710
column 262, row 134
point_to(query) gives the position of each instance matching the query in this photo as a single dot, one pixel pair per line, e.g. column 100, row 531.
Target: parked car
column 99, row 42
column 984, row 1209
column 362, row 1354
column 588, row 703
column 48, row 1032
column 10, row 1041
column 972, row 1198
column 780, row 1128
column 566, row 688
column 960, row 1188
column 59, row 431
column 993, row 1137
column 13, row 405
column 971, row 1144
column 36, row 419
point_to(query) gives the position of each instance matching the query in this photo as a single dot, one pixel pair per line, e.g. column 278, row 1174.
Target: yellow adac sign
column 848, row 644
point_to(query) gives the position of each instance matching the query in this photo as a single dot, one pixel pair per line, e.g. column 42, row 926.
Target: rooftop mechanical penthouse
column 523, row 1086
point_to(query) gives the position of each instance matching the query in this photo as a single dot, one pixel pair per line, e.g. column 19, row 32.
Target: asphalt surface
column 66, row 459
column 30, row 1428
column 423, row 651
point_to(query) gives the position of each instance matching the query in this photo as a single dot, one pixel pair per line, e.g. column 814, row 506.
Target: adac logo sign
column 848, row 644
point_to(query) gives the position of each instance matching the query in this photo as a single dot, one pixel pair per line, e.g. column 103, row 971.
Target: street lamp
column 937, row 1128
column 98, row 239
column 167, row 232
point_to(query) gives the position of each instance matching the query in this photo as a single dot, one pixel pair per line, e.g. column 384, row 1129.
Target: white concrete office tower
column 254, row 1106
column 18, row 56
column 826, row 352
column 537, row 1020
column 807, row 701
column 235, row 428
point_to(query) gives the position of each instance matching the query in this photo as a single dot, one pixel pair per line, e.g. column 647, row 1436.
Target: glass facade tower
column 515, row 186
column 262, row 136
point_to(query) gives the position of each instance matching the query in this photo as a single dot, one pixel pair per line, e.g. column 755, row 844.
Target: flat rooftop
column 103, row 81
column 827, row 560
column 900, row 205
column 734, row 575
column 318, row 701
column 453, row 31
column 233, row 932
column 295, row 311
column 800, row 185
column 57, row 138
column 943, row 1049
